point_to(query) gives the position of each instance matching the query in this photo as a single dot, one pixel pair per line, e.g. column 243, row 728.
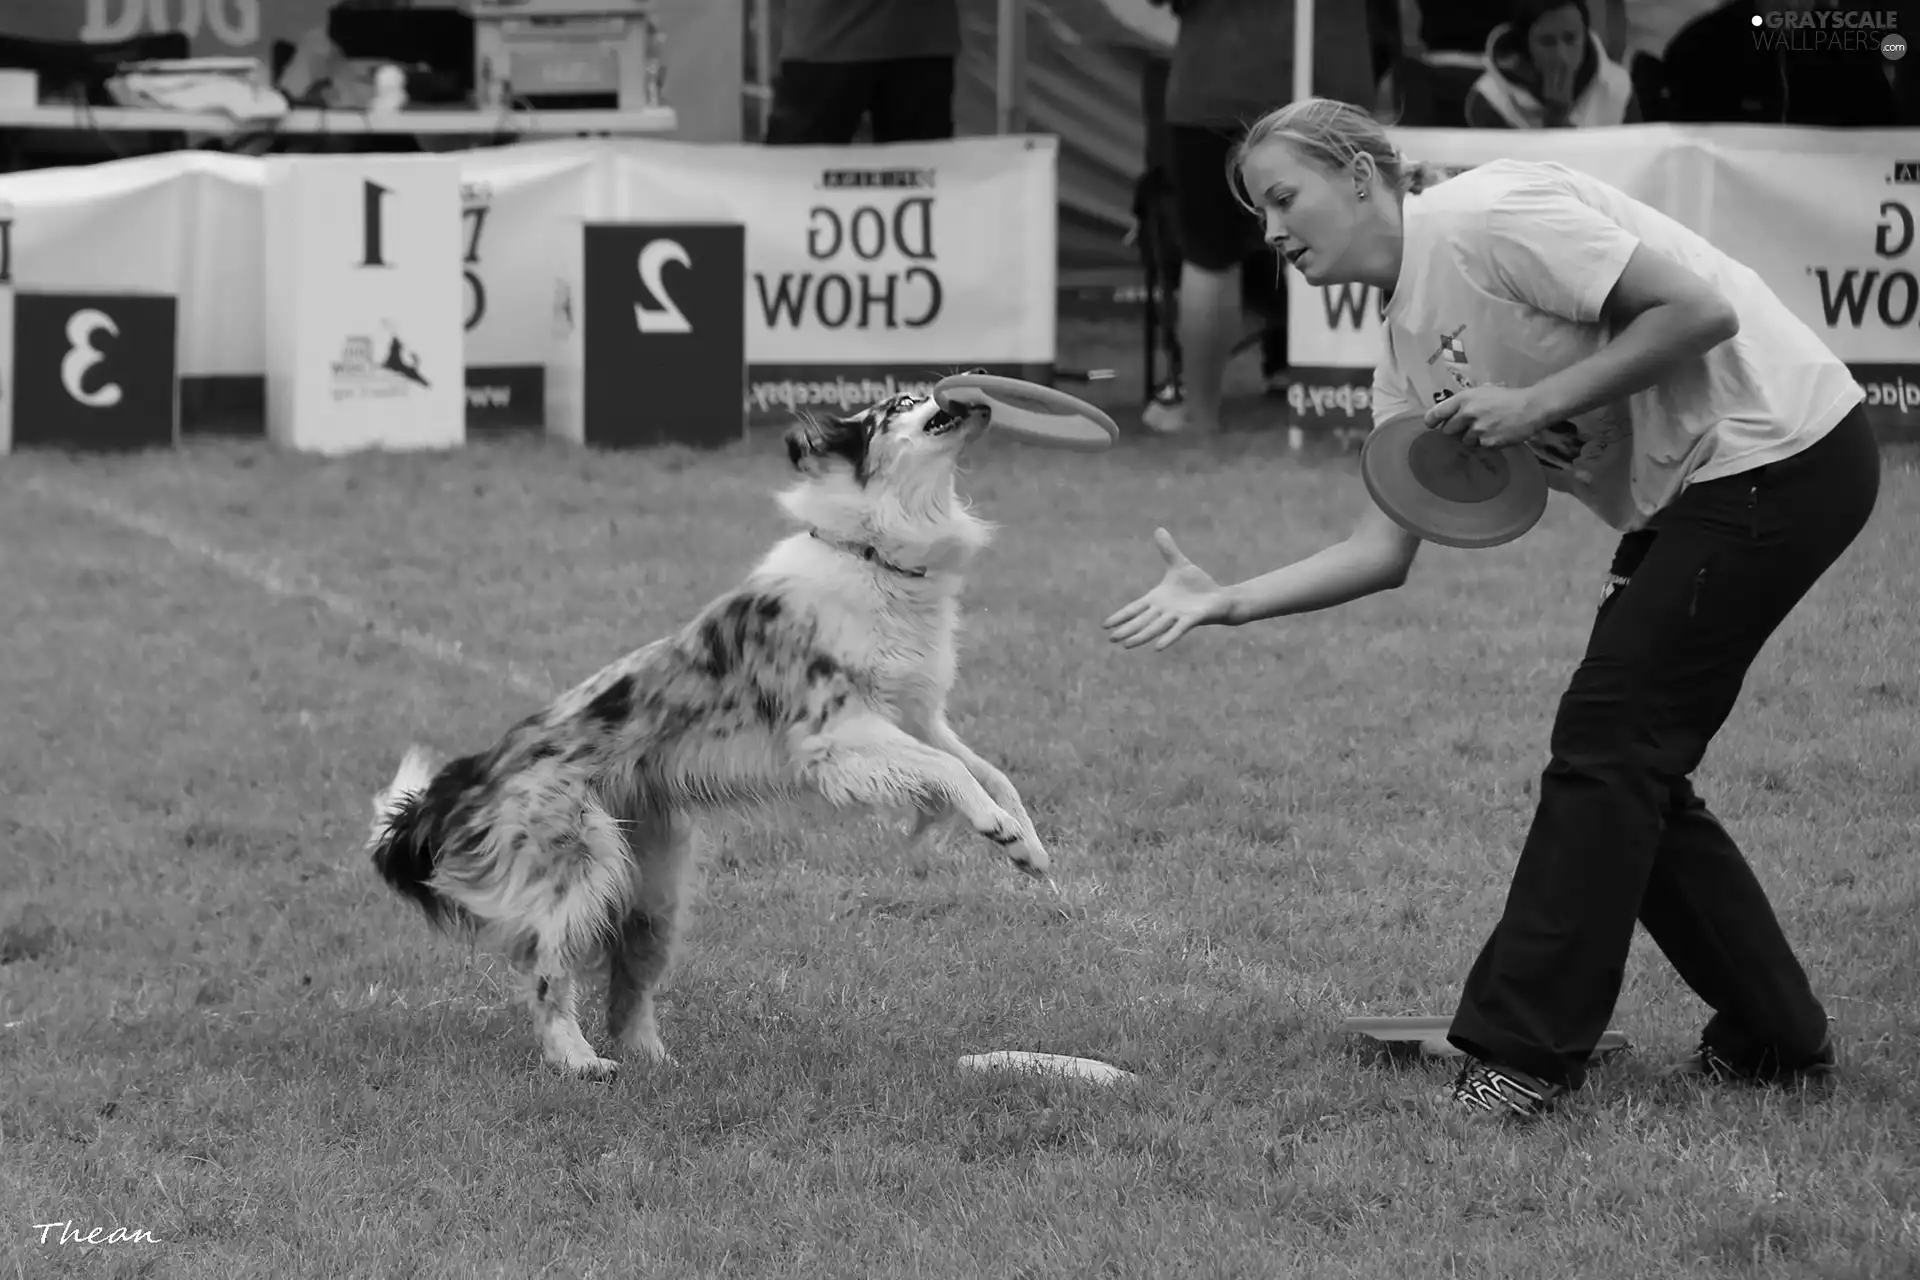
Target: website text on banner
column 1830, row 219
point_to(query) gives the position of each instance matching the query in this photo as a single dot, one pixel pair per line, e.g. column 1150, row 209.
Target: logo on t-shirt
column 1451, row 347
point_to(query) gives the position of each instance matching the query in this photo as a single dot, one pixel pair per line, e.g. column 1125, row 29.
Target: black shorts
column 820, row 103
column 1216, row 231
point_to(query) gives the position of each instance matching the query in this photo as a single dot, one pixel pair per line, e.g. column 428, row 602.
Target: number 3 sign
column 665, row 334
column 95, row 371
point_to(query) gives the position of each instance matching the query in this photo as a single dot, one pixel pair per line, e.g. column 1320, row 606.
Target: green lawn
column 216, row 1026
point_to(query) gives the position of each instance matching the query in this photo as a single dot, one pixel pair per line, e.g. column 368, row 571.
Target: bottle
column 656, row 81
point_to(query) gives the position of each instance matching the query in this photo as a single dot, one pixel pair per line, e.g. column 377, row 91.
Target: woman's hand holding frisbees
column 1491, row 417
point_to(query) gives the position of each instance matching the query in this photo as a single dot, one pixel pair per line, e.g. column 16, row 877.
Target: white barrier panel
column 363, row 303
column 516, row 202
column 1826, row 217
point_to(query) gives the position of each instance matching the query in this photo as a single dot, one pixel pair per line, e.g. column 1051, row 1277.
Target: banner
column 1826, row 217
column 1836, row 234
column 872, row 270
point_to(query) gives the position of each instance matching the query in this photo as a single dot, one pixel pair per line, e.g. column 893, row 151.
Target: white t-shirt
column 1503, row 274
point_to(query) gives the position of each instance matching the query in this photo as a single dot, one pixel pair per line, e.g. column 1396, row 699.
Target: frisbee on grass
column 1445, row 490
column 1031, row 411
column 1045, row 1063
column 1430, row 1033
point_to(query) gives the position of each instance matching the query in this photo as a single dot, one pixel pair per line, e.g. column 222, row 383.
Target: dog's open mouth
column 942, row 422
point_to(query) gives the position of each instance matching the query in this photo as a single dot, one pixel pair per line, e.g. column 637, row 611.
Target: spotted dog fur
column 569, row 841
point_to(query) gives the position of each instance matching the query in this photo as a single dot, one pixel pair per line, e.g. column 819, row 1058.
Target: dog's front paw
column 1031, row 858
column 1003, row 828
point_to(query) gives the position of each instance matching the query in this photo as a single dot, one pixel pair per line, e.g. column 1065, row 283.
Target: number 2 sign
column 665, row 334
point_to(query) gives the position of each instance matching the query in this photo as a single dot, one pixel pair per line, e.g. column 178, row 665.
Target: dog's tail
column 404, row 844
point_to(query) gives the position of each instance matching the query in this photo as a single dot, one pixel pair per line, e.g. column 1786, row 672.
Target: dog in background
column 568, row 842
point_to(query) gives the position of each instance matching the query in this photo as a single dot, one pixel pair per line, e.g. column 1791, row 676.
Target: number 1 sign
column 365, row 303
column 659, row 351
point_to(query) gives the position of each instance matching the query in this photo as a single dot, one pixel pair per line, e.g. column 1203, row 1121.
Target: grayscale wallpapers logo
column 1831, row 31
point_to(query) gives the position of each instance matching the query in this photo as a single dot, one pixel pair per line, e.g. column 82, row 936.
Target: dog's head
column 908, row 442
column 886, row 476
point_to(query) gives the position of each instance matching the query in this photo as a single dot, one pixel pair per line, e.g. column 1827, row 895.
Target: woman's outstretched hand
column 1186, row 598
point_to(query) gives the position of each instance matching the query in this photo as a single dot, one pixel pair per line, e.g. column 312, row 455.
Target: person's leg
column 913, row 100
column 1705, row 586
column 1703, row 905
column 1215, row 234
column 817, row 104
column 1709, row 915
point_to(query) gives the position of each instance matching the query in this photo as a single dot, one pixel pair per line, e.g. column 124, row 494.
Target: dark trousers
column 1618, row 834
column 819, row 104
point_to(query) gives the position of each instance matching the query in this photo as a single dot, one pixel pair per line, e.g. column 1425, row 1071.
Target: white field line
column 288, row 584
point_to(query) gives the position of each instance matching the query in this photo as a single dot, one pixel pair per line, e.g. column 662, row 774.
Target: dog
column 569, row 842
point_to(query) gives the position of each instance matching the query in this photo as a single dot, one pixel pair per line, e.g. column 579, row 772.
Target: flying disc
column 1430, row 1033
column 1046, row 1063
column 1031, row 411
column 1445, row 490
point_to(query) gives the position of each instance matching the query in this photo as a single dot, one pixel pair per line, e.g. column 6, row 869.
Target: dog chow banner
column 1835, row 231
column 872, row 270
column 1828, row 218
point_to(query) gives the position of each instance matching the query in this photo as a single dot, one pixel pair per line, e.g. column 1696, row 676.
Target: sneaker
column 1486, row 1089
column 1166, row 413
column 1709, row 1064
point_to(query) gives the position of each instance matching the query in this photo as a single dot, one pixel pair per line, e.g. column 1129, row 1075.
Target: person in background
column 1546, row 69
column 1232, row 63
column 890, row 60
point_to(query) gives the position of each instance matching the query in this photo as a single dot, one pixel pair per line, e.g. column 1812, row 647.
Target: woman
column 1548, row 70
column 1663, row 386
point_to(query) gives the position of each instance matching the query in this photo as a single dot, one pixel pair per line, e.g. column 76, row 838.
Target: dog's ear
column 799, row 438
column 814, row 442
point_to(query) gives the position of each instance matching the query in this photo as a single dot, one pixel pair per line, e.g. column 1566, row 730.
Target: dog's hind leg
column 863, row 759
column 560, row 880
column 546, row 987
column 643, row 949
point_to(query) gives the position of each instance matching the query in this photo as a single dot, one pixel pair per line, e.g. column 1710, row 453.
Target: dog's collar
column 867, row 552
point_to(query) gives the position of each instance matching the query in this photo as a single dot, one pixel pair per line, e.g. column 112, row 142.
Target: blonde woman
column 1666, row 388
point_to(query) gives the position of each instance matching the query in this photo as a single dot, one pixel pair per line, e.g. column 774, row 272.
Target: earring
column 1360, row 193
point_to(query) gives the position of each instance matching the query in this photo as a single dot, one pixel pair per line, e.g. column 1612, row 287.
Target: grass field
column 216, row 1027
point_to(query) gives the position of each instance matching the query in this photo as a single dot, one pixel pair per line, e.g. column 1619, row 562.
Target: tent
column 1075, row 68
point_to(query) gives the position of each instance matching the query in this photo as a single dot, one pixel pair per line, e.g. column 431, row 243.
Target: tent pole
column 1302, row 49
column 1010, row 67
